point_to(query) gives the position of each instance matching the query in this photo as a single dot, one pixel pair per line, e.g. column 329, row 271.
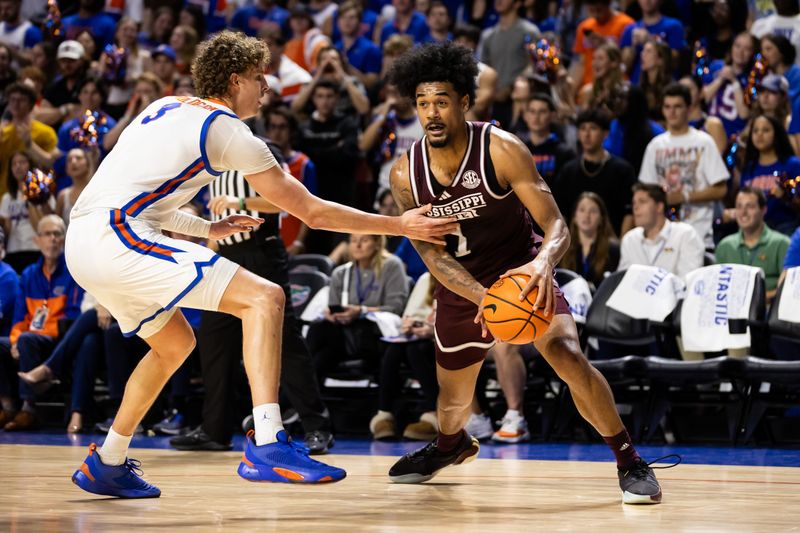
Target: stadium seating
column 311, row 262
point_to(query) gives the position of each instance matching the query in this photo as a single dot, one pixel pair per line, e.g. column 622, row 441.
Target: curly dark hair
column 226, row 53
column 435, row 62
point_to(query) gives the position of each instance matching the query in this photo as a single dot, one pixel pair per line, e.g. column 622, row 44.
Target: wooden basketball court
column 201, row 492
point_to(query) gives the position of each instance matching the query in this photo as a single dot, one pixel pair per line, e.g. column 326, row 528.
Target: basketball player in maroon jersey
column 485, row 177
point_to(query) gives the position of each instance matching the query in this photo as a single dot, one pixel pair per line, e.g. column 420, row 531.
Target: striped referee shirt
column 232, row 183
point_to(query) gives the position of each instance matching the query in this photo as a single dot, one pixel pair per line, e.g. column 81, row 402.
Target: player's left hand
column 233, row 224
column 541, row 274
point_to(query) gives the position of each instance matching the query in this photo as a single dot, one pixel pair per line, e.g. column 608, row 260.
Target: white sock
column 115, row 448
column 268, row 422
column 513, row 414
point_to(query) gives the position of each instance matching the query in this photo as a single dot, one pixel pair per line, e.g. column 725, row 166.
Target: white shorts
column 140, row 275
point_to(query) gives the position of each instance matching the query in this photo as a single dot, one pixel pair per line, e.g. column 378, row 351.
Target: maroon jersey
column 496, row 230
column 496, row 234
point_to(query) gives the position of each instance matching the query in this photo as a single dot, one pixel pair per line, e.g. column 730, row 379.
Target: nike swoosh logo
column 493, row 307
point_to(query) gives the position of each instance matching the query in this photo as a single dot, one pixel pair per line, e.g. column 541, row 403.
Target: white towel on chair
column 647, row 292
column 714, row 295
column 789, row 307
column 388, row 323
column 579, row 298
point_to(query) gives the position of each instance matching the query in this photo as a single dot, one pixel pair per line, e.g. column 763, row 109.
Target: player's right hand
column 479, row 318
column 417, row 226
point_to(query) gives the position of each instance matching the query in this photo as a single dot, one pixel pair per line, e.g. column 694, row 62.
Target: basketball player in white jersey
column 116, row 251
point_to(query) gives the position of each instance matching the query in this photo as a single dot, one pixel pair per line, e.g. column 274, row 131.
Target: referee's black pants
column 220, row 343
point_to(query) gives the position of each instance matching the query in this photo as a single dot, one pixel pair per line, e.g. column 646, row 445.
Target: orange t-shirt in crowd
column 613, row 28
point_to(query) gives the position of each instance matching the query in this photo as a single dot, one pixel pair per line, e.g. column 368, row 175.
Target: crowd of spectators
column 667, row 130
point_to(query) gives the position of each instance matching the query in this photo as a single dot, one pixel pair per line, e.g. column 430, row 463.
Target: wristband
column 364, row 310
column 242, row 207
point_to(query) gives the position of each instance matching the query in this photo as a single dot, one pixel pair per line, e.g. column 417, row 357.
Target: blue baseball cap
column 164, row 50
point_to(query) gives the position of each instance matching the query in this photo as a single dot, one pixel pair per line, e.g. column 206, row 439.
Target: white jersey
column 172, row 149
column 166, row 155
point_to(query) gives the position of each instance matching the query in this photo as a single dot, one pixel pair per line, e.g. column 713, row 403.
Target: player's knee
column 566, row 358
column 176, row 353
column 268, row 297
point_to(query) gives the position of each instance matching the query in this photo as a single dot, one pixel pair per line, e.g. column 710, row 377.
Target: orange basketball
column 510, row 319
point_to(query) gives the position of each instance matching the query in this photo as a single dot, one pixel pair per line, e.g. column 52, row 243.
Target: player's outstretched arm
column 284, row 191
column 515, row 168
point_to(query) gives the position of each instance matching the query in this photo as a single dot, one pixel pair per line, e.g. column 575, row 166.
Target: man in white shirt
column 686, row 163
column 656, row 241
column 20, row 34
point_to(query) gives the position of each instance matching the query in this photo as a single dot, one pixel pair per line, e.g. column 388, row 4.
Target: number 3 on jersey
column 160, row 113
column 461, row 247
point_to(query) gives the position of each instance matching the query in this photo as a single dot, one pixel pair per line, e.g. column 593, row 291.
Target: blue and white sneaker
column 284, row 461
column 122, row 481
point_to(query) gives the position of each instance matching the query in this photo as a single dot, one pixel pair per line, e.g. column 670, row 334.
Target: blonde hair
column 153, row 80
column 602, row 87
column 224, row 54
column 381, row 253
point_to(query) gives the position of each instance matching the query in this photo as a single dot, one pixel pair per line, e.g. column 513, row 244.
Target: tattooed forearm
column 441, row 265
column 449, row 272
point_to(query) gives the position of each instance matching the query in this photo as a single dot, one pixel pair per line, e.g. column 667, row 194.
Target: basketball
column 510, row 319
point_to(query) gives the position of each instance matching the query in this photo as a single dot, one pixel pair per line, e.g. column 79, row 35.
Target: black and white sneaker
column 421, row 465
column 319, row 441
column 639, row 484
column 198, row 440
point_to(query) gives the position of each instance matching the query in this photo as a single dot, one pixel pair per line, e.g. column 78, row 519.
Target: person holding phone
column 374, row 280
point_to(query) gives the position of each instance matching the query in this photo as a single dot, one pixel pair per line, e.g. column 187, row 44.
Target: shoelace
column 134, row 466
column 418, row 455
column 303, row 450
column 640, row 470
column 299, row 448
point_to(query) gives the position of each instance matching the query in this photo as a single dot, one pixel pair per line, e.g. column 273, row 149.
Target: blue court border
column 711, row 455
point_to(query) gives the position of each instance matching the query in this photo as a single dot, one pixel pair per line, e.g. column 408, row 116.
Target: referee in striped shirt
column 220, row 337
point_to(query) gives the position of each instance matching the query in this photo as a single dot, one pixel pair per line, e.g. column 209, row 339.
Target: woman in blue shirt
column 724, row 85
column 780, row 55
column 767, row 159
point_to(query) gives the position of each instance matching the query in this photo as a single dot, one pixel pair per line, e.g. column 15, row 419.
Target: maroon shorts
column 458, row 339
